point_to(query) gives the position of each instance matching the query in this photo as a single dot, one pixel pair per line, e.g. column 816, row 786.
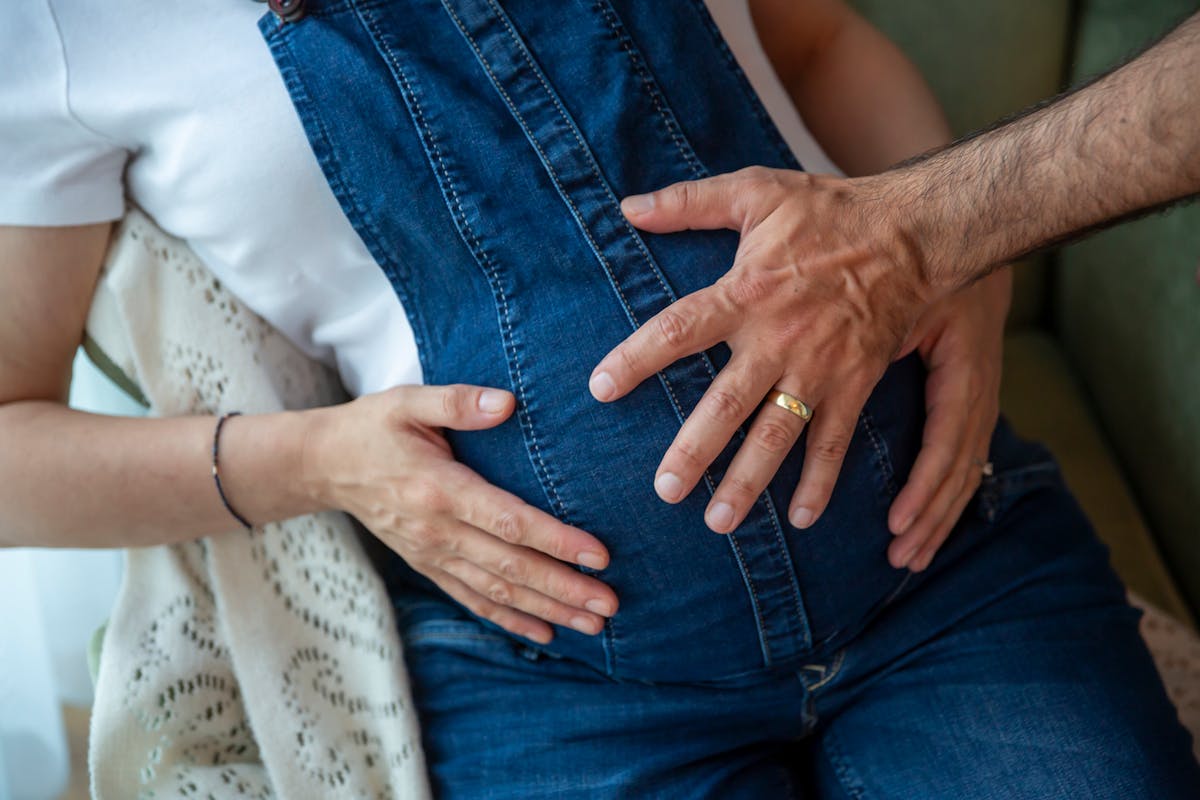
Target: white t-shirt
column 179, row 107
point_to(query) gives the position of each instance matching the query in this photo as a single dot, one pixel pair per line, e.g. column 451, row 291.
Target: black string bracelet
column 216, row 469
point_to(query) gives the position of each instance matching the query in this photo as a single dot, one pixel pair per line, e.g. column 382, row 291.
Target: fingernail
column 668, row 486
column 801, row 517
column 592, row 560
column 601, row 607
column 637, row 204
column 602, row 386
column 585, row 625
column 492, row 402
column 541, row 637
column 906, row 556
column 720, row 516
column 905, row 525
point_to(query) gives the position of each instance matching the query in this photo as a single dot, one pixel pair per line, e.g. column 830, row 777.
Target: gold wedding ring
column 792, row 404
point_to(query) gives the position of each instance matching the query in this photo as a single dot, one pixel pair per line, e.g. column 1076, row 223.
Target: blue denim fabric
column 1014, row 671
column 479, row 147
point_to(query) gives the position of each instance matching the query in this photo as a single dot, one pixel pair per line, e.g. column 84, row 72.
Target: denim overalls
column 479, row 148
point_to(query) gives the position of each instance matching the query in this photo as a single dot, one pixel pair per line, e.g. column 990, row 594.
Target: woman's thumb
column 459, row 406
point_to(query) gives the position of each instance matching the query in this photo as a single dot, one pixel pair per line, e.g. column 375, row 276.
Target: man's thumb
column 705, row 204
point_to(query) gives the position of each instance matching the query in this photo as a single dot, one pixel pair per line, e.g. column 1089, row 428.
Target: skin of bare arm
column 72, row 479
column 864, row 101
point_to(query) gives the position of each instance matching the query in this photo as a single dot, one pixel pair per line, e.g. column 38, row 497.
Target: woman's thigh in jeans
column 503, row 721
column 1015, row 671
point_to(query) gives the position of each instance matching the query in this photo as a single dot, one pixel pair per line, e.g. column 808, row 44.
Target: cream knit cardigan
column 252, row 664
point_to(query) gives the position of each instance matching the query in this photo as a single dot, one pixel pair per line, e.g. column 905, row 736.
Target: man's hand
column 813, row 306
column 961, row 340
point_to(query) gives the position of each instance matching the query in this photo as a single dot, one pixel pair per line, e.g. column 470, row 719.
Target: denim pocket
column 444, row 644
column 427, row 621
column 1019, row 468
column 429, row 627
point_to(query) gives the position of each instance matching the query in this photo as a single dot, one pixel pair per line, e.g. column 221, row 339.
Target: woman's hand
column 961, row 340
column 807, row 309
column 383, row 459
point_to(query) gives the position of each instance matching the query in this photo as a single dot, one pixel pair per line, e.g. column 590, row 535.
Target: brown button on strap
column 287, row 10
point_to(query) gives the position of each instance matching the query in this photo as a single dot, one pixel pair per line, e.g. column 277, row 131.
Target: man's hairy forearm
column 1122, row 145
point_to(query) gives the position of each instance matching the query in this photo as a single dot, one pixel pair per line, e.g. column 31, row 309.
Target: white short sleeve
column 54, row 170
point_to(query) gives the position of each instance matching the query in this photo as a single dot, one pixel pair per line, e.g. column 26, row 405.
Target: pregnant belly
column 767, row 596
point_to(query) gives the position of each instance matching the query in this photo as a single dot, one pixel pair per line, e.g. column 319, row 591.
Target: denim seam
column 564, row 117
column 391, row 265
column 538, row 147
column 748, row 93
column 583, row 148
column 410, row 639
column 763, row 640
column 592, row 167
column 574, row 130
column 609, row 627
column 652, row 88
column 882, row 457
column 482, row 258
column 734, row 541
column 781, row 542
column 851, row 783
column 739, row 556
column 595, row 246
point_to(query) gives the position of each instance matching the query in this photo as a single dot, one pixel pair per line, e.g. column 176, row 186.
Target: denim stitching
column 769, row 126
column 760, row 111
column 771, row 512
column 482, row 258
column 734, row 542
column 763, row 640
column 565, row 118
column 850, row 782
column 537, row 73
column 603, row 259
column 592, row 167
column 420, row 638
column 391, row 264
column 773, row 515
column 609, row 626
column 882, row 458
column 637, row 239
column 651, row 87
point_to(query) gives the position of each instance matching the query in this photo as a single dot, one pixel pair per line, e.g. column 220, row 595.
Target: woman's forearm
column 70, row 479
column 866, row 104
column 73, row 479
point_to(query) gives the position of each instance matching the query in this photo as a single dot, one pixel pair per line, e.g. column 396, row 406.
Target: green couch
column 1103, row 353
